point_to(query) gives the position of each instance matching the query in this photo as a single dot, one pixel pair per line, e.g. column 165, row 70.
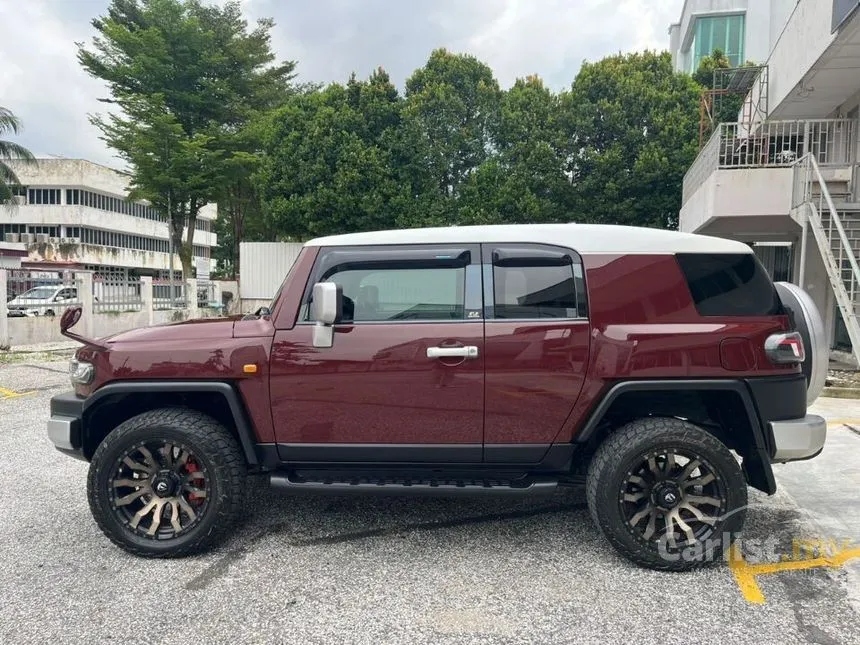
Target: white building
column 790, row 175
column 742, row 29
column 74, row 214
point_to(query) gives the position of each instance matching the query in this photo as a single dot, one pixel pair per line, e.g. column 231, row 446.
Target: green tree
column 632, row 127
column 327, row 166
column 9, row 151
column 524, row 181
column 185, row 80
column 450, row 114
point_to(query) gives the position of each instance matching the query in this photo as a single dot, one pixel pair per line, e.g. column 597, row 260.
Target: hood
column 213, row 328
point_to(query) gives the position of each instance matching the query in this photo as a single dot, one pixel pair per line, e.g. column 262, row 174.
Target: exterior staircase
column 835, row 224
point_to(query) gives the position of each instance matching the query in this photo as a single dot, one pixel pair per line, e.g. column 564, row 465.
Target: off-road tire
column 622, row 450
column 210, row 442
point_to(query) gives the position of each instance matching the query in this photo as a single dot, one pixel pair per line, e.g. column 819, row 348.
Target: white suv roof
column 584, row 238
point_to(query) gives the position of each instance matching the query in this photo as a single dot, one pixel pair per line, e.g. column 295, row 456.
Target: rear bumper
column 65, row 424
column 796, row 439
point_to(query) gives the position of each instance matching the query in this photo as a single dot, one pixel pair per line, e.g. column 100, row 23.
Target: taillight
column 785, row 348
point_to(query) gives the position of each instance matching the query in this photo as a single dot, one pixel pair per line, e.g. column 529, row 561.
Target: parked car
column 45, row 300
column 665, row 371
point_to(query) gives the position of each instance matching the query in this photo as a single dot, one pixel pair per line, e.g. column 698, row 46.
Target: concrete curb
column 35, row 353
column 841, row 392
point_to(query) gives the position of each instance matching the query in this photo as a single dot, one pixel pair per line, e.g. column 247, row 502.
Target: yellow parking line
column 10, row 394
column 744, row 578
column 745, row 574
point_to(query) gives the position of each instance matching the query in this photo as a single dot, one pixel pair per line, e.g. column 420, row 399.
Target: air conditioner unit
column 74, row 240
column 42, row 238
column 20, row 200
column 12, row 238
column 54, row 240
column 28, row 238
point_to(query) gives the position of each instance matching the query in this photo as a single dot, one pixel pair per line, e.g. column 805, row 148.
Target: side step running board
column 287, row 482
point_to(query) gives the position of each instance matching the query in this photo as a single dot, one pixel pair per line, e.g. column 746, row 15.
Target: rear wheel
column 666, row 494
column 167, row 483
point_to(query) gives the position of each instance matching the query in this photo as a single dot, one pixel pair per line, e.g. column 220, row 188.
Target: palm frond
column 12, row 150
column 9, row 122
column 7, row 175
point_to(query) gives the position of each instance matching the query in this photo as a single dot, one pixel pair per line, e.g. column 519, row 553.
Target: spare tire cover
column 807, row 321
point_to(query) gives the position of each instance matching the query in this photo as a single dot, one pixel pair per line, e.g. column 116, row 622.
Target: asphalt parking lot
column 374, row 570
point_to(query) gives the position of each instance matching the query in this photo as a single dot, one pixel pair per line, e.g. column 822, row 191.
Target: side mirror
column 327, row 308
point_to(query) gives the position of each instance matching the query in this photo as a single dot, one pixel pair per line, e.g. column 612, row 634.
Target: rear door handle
column 469, row 351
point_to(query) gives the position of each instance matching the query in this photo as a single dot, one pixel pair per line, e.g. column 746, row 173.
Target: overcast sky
column 41, row 82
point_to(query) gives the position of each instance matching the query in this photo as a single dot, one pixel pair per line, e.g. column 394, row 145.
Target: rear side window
column 729, row 284
column 537, row 282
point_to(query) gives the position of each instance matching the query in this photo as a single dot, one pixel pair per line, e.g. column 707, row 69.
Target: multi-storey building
column 787, row 174
column 742, row 29
column 75, row 214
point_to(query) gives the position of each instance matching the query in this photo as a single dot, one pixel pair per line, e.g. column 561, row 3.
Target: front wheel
column 167, row 483
column 666, row 494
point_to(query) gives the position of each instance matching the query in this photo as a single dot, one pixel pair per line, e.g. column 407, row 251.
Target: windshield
column 38, row 293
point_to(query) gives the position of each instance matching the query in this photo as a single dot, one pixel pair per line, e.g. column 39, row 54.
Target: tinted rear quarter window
column 729, row 284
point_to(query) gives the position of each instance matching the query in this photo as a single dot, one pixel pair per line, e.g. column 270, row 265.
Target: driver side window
column 399, row 285
column 430, row 293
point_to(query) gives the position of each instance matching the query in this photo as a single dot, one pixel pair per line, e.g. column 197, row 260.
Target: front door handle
column 469, row 351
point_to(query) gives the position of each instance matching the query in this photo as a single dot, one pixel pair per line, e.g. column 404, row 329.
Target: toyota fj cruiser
column 663, row 370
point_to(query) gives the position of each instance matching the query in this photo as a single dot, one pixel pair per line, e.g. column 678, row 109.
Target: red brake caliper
column 192, row 467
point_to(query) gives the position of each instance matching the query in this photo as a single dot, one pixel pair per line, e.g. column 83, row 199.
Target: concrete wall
column 103, row 255
column 72, row 173
column 805, row 38
column 230, row 289
column 780, row 12
column 34, row 331
column 752, row 192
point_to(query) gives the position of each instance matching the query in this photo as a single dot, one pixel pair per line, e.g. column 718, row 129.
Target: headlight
column 81, row 372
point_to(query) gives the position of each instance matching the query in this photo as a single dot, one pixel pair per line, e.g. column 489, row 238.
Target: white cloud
column 43, row 84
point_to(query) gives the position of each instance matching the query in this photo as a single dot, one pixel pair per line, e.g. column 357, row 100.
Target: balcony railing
column 773, row 144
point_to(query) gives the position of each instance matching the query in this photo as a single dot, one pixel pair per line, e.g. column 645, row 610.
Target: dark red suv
column 663, row 370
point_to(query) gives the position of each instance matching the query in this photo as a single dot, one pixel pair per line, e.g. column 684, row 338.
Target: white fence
column 31, row 303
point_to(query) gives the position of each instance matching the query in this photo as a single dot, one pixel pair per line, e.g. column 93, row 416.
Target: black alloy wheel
column 168, row 482
column 160, row 490
column 672, row 496
column 667, row 494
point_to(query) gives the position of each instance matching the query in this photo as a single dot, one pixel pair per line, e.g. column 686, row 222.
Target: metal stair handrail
column 812, row 171
column 834, row 214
